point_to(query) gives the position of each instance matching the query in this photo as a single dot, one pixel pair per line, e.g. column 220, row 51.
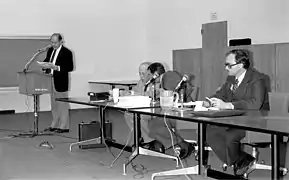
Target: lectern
column 34, row 83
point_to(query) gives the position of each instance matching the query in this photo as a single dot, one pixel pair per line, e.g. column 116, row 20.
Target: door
column 282, row 64
column 214, row 44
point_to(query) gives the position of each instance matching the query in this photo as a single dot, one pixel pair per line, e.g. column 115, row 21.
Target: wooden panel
column 187, row 61
column 264, row 61
column 282, row 64
column 214, row 44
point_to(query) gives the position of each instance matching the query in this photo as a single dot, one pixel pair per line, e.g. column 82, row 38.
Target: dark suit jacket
column 251, row 94
column 65, row 62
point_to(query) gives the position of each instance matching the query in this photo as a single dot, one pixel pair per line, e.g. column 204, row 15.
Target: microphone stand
column 40, row 51
column 154, row 101
column 182, row 98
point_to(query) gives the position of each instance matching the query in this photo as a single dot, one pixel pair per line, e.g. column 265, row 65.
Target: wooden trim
column 25, row 37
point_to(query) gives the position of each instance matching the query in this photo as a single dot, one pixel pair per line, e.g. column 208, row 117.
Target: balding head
column 143, row 71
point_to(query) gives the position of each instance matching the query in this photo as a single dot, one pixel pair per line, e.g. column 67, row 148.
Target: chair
column 185, row 128
column 279, row 103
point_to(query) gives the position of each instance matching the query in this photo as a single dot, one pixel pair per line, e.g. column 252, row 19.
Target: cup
column 115, row 95
column 168, row 99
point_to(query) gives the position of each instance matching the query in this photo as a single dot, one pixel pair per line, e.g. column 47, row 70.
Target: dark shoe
column 50, row 129
column 154, row 146
column 62, row 130
column 244, row 165
column 184, row 149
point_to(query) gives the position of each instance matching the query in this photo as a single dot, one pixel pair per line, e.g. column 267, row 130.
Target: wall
column 106, row 37
column 176, row 24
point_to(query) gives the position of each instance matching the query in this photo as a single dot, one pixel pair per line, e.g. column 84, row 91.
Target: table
column 129, row 83
column 258, row 121
column 102, row 105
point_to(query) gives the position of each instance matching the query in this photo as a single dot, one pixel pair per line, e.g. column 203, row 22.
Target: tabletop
column 111, row 82
column 258, row 121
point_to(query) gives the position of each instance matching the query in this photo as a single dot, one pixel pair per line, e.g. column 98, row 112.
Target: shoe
column 184, row 149
column 154, row 146
column 50, row 129
column 241, row 167
column 62, row 131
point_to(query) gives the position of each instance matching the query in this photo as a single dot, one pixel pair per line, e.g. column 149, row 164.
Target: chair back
column 279, row 102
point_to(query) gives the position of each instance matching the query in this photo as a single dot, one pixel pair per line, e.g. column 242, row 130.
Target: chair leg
column 183, row 171
column 257, row 166
column 148, row 152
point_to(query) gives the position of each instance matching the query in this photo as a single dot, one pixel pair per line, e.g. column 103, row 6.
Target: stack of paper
column 134, row 101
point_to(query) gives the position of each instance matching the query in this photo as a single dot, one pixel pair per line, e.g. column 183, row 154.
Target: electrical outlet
column 214, row 16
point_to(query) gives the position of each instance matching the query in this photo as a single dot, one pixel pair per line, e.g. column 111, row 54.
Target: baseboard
column 7, row 111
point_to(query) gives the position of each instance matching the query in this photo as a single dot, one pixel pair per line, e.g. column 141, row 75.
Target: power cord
column 122, row 150
column 173, row 146
column 102, row 133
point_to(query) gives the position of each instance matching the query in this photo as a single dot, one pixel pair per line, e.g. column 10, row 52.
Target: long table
column 277, row 125
column 258, row 121
column 130, row 83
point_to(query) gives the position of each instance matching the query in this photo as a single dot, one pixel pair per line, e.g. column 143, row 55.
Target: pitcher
column 168, row 99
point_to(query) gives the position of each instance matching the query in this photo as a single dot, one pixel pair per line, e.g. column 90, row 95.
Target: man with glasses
column 59, row 63
column 245, row 89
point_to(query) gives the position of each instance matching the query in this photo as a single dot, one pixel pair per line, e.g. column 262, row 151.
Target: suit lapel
column 243, row 85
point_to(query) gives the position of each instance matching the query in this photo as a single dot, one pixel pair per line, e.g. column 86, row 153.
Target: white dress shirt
column 55, row 57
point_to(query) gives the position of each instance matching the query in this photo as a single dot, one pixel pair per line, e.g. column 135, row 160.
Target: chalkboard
column 14, row 54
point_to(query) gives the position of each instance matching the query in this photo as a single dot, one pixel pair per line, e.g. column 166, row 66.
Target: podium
column 34, row 83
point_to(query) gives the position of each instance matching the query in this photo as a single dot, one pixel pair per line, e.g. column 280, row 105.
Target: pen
column 208, row 99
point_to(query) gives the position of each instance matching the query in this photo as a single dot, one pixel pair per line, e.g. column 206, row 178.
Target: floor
column 24, row 159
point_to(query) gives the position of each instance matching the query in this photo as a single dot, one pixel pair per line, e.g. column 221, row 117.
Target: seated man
column 245, row 89
column 139, row 90
column 161, row 129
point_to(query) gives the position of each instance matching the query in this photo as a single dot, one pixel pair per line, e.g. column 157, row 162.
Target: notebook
column 218, row 113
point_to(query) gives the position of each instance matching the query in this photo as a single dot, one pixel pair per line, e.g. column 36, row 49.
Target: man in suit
column 244, row 89
column 60, row 63
column 139, row 90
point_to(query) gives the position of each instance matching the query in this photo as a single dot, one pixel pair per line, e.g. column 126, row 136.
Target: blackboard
column 15, row 53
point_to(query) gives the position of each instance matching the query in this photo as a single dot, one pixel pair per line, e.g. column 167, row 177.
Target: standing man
column 59, row 63
column 245, row 89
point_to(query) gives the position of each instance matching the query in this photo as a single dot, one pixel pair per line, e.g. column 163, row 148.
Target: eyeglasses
column 230, row 65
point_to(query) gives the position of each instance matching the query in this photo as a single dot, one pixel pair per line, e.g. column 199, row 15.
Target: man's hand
column 218, row 103
column 52, row 66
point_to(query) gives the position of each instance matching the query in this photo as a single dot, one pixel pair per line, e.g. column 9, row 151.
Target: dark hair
column 156, row 67
column 58, row 36
column 241, row 56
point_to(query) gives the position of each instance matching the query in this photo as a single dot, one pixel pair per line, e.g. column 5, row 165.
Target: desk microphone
column 151, row 80
column 184, row 80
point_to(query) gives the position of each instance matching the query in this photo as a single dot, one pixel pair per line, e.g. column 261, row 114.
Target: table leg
column 136, row 122
column 275, row 174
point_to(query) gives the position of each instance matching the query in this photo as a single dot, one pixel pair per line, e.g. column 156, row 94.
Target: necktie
column 235, row 85
column 50, row 71
column 52, row 57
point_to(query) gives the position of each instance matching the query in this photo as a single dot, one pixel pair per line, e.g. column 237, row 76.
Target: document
column 44, row 64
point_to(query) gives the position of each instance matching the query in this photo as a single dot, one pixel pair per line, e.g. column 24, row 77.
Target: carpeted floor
column 23, row 159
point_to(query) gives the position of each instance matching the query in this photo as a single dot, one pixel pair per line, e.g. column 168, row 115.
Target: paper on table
column 198, row 106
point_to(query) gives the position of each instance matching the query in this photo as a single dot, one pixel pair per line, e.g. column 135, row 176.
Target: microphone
column 184, row 80
column 45, row 48
column 151, row 80
column 34, row 57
